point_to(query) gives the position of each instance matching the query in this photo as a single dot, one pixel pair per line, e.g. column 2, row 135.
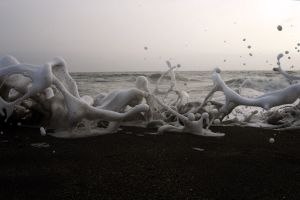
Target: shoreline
column 134, row 164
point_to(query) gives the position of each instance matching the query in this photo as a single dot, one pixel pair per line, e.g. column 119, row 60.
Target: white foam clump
column 143, row 84
column 40, row 76
column 65, row 106
column 43, row 131
column 254, row 116
column 279, row 97
column 79, row 110
column 191, row 125
column 49, row 93
column 217, row 121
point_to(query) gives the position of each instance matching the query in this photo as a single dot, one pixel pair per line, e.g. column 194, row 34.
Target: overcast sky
column 121, row 35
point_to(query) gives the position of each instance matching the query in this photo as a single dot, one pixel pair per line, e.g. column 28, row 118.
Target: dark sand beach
column 135, row 165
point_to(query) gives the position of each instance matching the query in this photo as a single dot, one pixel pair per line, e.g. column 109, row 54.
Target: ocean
column 196, row 83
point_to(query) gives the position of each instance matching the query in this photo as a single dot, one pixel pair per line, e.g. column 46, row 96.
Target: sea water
column 196, row 83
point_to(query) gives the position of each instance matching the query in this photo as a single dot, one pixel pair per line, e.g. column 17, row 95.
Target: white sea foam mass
column 90, row 104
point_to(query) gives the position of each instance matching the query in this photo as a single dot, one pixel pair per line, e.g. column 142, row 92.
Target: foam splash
column 43, row 131
column 280, row 97
column 66, row 108
column 50, row 91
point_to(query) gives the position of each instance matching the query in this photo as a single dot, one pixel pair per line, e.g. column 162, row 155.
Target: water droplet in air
column 42, row 131
column 279, row 28
column 279, row 56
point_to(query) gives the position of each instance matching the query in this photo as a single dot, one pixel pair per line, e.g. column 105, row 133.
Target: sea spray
column 43, row 131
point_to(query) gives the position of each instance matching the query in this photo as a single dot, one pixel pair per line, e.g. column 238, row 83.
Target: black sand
column 242, row 165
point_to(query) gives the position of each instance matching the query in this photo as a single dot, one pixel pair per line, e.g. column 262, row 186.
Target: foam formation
column 65, row 103
column 50, row 92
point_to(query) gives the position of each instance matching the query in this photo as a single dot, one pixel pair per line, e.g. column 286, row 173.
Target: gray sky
column 111, row 35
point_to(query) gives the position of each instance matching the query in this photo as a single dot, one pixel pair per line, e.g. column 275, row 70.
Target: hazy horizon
column 135, row 35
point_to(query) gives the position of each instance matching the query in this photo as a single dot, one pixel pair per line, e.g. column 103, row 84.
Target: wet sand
column 135, row 165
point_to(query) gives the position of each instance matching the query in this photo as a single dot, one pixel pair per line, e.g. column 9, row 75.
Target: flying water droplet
column 271, row 140
column 279, row 28
column 42, row 131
